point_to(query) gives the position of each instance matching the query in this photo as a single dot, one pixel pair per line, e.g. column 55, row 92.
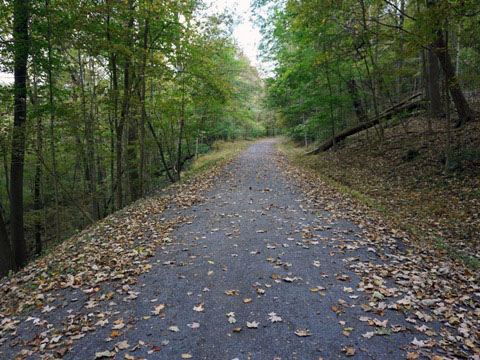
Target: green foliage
column 319, row 46
column 102, row 73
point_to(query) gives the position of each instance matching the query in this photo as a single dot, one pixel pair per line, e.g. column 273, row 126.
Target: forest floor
column 257, row 259
column 405, row 179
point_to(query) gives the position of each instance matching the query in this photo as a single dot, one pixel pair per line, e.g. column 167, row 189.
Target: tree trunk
column 52, row 120
column 463, row 108
column 143, row 92
column 88, row 120
column 440, row 48
column 399, row 80
column 115, row 126
column 434, row 97
column 91, row 143
column 179, row 164
column 37, row 199
column 20, row 40
column 7, row 262
column 357, row 103
column 132, row 157
column 125, row 109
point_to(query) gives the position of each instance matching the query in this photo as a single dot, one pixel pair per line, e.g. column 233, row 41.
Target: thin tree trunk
column 37, row 199
column 112, row 160
column 357, row 103
column 125, row 108
column 399, row 79
column 52, row 121
column 332, row 118
column 162, row 154
column 434, row 97
column 91, row 143
column 458, row 48
column 370, row 76
column 448, row 140
column 132, row 142
column 305, row 135
column 178, row 167
column 116, row 123
column 143, row 92
column 90, row 170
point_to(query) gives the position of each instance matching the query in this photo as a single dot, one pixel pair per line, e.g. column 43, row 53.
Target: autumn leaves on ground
column 255, row 258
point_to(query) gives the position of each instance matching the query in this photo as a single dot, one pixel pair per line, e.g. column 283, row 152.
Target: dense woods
column 383, row 97
column 110, row 100
column 343, row 63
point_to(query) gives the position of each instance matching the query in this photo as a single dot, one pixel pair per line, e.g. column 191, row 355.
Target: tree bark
column 464, row 111
column 88, row 120
column 440, row 48
column 20, row 40
column 52, row 119
column 115, row 122
column 125, row 107
column 434, row 97
column 357, row 103
column 7, row 262
column 143, row 92
column 37, row 199
column 132, row 171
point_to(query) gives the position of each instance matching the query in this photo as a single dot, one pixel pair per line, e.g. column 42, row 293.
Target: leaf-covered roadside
column 429, row 286
column 404, row 178
column 114, row 251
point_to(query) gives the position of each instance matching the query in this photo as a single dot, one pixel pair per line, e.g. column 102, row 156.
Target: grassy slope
column 404, row 178
column 222, row 151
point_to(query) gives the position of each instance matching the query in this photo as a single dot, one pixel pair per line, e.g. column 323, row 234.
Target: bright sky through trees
column 245, row 32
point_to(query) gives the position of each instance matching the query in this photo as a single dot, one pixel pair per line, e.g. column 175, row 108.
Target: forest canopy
column 341, row 63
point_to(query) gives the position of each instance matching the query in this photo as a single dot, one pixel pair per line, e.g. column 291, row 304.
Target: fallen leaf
column 122, row 345
column 274, row 317
column 349, row 350
column 199, row 307
column 158, row 309
column 103, row 354
column 174, row 329
column 368, row 335
column 303, row 332
column 252, row 325
column 232, row 292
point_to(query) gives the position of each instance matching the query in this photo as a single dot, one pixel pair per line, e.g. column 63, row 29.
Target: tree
column 99, row 72
column 20, row 39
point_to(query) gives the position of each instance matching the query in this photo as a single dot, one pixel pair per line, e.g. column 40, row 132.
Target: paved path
column 254, row 274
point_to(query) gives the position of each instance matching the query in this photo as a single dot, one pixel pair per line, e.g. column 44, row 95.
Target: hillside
column 405, row 178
